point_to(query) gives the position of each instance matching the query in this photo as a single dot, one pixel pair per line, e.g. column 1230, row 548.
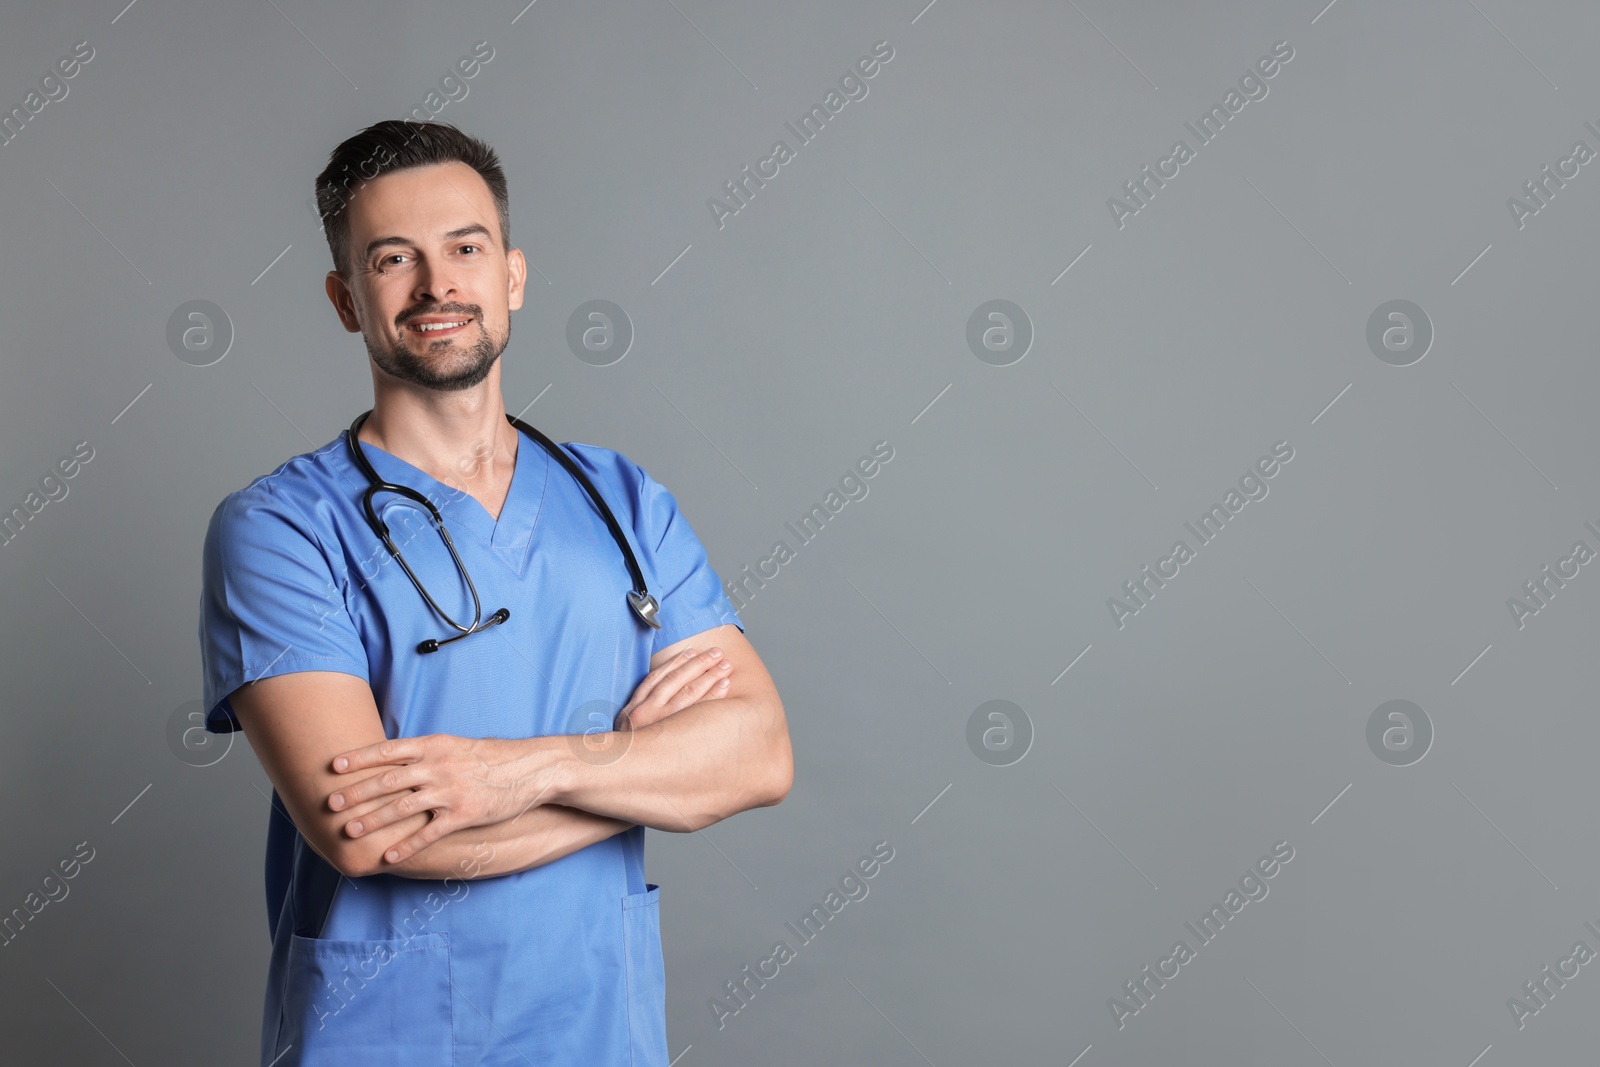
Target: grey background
column 830, row 313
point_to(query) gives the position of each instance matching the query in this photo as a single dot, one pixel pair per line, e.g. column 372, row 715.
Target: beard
column 451, row 364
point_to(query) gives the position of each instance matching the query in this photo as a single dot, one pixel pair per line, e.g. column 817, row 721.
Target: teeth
column 426, row 326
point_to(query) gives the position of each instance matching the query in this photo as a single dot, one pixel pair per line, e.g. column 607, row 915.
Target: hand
column 692, row 677
column 463, row 781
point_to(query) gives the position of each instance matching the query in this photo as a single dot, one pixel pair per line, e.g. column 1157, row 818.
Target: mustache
column 443, row 309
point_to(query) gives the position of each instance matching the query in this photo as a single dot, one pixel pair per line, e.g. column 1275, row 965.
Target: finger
column 390, row 780
column 683, row 675
column 636, row 718
column 696, row 689
column 661, row 683
column 394, row 750
column 650, row 705
column 371, row 804
column 402, row 807
column 652, row 679
column 655, row 677
column 418, row 841
column 709, row 685
column 707, row 668
column 647, row 714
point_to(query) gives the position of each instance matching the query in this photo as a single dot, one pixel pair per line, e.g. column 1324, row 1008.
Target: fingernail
column 724, row 665
column 336, row 801
column 723, row 684
column 355, row 828
column 714, row 652
column 686, row 652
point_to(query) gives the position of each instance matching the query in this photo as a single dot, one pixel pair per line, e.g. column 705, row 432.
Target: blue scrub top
column 560, row 964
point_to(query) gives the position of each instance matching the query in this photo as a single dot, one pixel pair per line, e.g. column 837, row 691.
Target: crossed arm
column 506, row 804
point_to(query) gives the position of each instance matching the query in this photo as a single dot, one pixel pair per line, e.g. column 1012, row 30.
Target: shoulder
column 637, row 499
column 287, row 494
column 598, row 459
column 623, row 482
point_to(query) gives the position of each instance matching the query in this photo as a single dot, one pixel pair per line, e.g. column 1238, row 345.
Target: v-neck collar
column 511, row 535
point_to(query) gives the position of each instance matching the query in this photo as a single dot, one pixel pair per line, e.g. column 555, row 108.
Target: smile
column 437, row 327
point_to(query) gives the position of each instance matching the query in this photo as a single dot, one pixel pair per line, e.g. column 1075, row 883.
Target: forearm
column 537, row 836
column 694, row 768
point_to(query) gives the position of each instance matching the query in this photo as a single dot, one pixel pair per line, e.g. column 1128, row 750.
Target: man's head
column 417, row 218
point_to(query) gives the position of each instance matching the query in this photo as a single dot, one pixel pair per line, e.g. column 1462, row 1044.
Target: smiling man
column 465, row 748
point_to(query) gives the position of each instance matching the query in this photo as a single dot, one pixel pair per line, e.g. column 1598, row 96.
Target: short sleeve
column 268, row 602
column 680, row 575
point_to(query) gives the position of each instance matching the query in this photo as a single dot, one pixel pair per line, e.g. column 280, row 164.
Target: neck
column 461, row 438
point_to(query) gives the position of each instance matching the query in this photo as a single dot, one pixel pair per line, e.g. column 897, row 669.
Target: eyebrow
column 464, row 231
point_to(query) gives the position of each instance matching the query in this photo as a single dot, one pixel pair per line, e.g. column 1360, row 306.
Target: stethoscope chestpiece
column 644, row 605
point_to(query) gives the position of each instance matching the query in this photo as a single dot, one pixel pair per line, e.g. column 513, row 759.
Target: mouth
column 432, row 328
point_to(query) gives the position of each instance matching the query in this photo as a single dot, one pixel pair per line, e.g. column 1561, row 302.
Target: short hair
column 399, row 144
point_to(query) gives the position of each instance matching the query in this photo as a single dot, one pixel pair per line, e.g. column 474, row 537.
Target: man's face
column 430, row 288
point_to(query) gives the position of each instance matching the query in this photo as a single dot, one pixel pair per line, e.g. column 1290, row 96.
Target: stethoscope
column 639, row 599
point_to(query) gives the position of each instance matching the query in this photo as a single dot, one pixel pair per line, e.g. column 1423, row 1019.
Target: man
column 455, row 858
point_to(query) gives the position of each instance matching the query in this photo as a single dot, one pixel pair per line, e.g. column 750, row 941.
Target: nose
column 434, row 284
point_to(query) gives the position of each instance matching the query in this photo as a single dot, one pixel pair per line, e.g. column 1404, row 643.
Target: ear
column 339, row 295
column 517, row 268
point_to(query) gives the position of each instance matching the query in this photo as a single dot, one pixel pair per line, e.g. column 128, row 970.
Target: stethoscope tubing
column 644, row 606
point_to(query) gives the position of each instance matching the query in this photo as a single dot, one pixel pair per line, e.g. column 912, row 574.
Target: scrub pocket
column 647, row 978
column 388, row 1002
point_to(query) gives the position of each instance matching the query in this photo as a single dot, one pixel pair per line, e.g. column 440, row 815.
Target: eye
column 385, row 261
column 470, row 246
